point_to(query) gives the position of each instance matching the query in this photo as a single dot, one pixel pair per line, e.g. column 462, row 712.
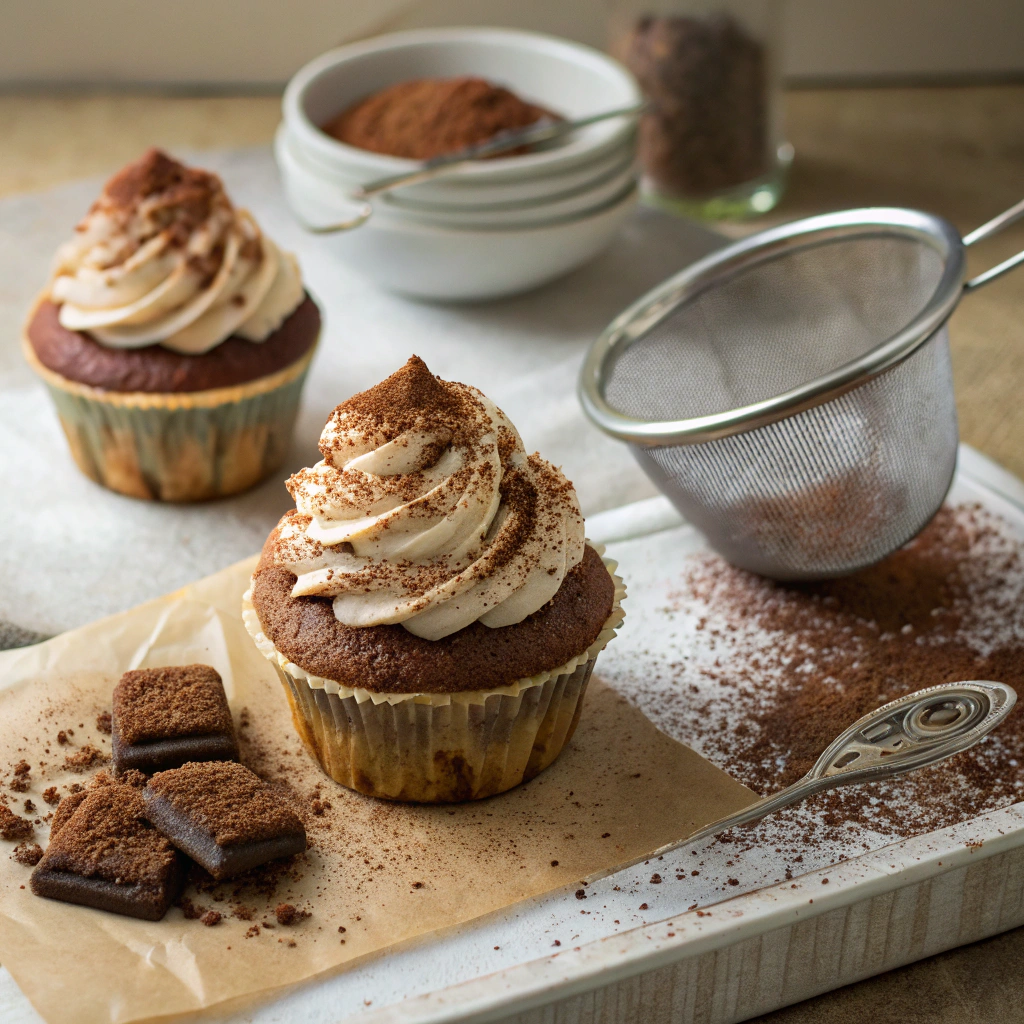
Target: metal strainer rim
column 725, row 263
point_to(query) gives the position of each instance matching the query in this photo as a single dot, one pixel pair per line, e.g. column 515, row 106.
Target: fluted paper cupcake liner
column 438, row 747
column 188, row 446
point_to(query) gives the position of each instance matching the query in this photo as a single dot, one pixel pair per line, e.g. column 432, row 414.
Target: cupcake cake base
column 438, row 747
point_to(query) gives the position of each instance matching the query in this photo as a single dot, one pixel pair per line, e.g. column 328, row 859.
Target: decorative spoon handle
column 919, row 729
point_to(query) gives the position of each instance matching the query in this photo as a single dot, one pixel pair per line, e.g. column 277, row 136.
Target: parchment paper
column 376, row 874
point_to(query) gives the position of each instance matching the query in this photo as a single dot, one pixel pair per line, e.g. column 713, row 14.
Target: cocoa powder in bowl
column 429, row 117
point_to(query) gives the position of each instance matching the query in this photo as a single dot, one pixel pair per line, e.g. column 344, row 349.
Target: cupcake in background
column 174, row 337
column 431, row 604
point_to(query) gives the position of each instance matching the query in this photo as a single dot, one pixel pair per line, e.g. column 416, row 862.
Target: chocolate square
column 104, row 854
column 223, row 816
column 165, row 717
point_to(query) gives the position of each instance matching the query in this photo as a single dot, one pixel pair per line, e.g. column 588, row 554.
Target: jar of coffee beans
column 711, row 141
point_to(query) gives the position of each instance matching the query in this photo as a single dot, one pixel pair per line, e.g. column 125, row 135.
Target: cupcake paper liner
column 188, row 446
column 437, row 747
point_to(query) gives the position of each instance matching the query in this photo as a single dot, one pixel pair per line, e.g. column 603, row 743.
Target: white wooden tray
column 770, row 945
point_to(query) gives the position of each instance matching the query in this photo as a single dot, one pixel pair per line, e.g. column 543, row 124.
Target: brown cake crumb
column 162, row 703
column 30, row 808
column 85, row 758
column 62, row 738
column 28, row 854
column 228, row 800
column 210, row 918
column 51, row 796
column 103, row 722
column 285, row 913
column 106, row 836
column 12, row 827
column 192, row 911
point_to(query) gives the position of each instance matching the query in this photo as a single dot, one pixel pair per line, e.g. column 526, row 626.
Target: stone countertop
column 958, row 152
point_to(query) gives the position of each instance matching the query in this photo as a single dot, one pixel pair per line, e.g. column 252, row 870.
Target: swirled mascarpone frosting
column 164, row 257
column 426, row 511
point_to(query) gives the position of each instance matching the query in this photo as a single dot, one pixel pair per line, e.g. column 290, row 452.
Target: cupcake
column 174, row 338
column 431, row 605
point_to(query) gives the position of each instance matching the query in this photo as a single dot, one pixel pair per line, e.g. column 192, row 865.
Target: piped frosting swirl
column 426, row 511
column 163, row 257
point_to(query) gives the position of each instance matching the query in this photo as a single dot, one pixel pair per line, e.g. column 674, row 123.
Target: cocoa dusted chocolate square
column 104, row 854
column 224, row 816
column 165, row 717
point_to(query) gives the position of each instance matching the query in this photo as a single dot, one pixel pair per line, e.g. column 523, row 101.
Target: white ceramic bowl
column 493, row 228
column 457, row 192
column 444, row 263
column 565, row 77
column 318, row 200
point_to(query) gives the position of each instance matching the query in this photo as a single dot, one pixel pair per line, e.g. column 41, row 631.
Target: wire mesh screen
column 830, row 489
column 773, row 327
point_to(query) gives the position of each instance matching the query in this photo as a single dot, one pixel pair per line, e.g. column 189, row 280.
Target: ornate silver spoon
column 914, row 731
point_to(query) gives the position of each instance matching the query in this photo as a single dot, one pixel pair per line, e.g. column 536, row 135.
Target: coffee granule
column 429, row 117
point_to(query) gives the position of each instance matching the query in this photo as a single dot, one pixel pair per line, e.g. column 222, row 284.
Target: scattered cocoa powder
column 768, row 674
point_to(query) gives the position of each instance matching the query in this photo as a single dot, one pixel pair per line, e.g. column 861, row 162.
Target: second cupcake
column 174, row 338
column 431, row 604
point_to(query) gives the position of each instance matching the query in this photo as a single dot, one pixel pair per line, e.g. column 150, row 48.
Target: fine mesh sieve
column 792, row 393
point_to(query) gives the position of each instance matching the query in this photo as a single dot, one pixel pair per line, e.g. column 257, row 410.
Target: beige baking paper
column 383, row 873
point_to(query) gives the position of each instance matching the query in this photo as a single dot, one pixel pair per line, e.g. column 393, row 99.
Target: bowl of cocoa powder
column 492, row 228
column 377, row 107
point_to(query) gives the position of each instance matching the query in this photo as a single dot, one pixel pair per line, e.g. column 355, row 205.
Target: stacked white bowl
column 496, row 227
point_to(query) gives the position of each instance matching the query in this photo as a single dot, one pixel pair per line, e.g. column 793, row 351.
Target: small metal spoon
column 914, row 731
column 540, row 131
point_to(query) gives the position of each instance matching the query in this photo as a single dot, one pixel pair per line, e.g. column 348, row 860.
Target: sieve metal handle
column 993, row 227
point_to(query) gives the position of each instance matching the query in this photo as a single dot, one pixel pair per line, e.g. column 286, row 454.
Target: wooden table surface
column 958, row 152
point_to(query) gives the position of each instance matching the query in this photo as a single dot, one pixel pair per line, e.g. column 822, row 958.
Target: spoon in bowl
column 544, row 130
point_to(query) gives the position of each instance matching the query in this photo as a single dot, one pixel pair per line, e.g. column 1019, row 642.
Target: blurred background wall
column 232, row 43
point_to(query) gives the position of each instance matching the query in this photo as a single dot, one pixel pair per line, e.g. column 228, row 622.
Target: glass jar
column 711, row 142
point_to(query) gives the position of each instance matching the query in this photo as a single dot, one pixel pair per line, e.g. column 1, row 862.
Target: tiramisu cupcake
column 431, row 604
column 174, row 337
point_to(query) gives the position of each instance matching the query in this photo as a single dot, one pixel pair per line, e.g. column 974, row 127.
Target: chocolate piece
column 153, row 368
column 104, row 854
column 223, row 816
column 390, row 659
column 165, row 717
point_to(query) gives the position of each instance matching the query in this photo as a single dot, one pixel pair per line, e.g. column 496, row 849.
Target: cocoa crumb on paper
column 84, row 758
column 13, row 827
